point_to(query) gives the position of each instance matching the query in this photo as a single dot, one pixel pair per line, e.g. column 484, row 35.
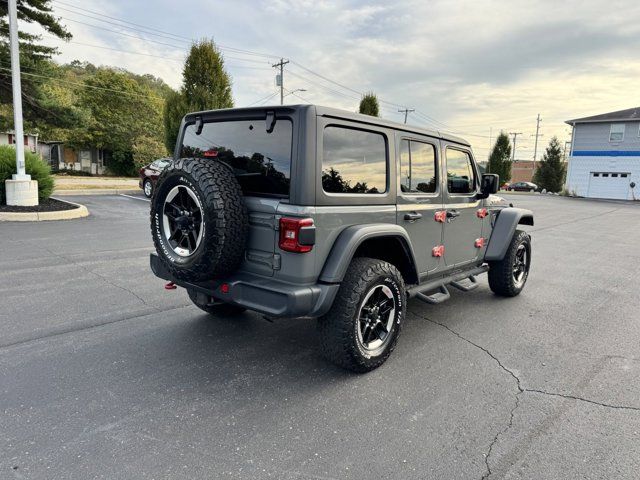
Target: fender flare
column 503, row 229
column 348, row 241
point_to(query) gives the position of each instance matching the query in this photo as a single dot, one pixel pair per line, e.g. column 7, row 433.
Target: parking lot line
column 135, row 198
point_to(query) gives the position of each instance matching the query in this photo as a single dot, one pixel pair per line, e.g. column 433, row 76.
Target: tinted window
column 353, row 161
column 260, row 160
column 417, row 167
column 460, row 175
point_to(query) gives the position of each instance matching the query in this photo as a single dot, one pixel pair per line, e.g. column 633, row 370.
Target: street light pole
column 17, row 92
column 20, row 189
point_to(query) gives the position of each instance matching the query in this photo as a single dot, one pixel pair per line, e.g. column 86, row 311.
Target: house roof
column 630, row 114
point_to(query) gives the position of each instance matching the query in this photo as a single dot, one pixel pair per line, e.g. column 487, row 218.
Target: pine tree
column 551, row 170
column 500, row 158
column 369, row 105
column 34, row 58
column 175, row 107
column 206, row 86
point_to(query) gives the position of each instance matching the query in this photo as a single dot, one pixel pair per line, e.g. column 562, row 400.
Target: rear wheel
column 508, row 276
column 203, row 302
column 361, row 329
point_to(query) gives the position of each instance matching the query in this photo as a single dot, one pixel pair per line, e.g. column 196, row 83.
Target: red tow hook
column 170, row 286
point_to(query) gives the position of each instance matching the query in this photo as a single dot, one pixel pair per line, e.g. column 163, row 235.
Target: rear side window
column 461, row 177
column 417, row 167
column 353, row 161
column 260, row 160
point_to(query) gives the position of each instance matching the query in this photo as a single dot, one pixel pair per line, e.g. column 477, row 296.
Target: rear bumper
column 261, row 294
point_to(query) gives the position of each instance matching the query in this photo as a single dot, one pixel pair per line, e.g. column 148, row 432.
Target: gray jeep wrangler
column 306, row 211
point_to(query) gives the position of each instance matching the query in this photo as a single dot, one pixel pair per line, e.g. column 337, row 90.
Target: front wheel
column 508, row 276
column 147, row 188
column 532, row 190
column 361, row 329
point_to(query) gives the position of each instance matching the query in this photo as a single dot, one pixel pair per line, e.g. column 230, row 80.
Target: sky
column 469, row 67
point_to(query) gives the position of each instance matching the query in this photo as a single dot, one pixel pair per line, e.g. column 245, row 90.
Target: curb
column 96, row 191
column 79, row 212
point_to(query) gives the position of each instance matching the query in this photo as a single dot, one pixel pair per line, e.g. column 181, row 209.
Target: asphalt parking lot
column 104, row 374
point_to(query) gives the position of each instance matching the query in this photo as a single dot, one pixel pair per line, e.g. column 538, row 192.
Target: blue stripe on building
column 606, row 153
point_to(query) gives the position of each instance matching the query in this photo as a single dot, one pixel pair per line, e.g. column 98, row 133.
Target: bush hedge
column 35, row 167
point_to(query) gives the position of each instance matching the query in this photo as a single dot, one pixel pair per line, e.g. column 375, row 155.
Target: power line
column 119, row 19
column 85, row 85
column 263, row 99
column 180, row 38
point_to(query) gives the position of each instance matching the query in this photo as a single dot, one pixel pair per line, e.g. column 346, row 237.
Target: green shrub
column 35, row 167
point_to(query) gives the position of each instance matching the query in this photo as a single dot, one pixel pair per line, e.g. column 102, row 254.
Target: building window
column 353, row 161
column 616, row 134
column 623, row 175
column 596, row 174
column 417, row 167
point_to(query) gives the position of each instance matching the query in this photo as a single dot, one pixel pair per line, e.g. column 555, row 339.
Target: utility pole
column 20, row 190
column 535, row 147
column 406, row 112
column 281, row 65
column 515, row 136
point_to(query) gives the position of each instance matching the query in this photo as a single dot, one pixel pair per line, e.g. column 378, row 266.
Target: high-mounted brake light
column 297, row 235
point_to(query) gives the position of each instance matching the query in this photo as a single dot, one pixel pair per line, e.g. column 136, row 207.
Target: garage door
column 609, row 185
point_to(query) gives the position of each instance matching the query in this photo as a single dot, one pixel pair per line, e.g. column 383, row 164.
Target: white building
column 605, row 155
column 30, row 140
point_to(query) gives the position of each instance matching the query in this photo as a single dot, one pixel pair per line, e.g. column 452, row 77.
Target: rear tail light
column 297, row 234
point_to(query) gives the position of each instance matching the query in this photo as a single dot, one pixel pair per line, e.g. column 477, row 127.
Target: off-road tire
column 338, row 328
column 218, row 309
column 224, row 219
column 501, row 278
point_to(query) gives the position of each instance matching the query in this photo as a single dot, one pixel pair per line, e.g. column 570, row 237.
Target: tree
column 500, row 158
column 551, row 170
column 175, row 108
column 369, row 105
column 206, row 86
column 121, row 112
column 146, row 149
column 35, row 65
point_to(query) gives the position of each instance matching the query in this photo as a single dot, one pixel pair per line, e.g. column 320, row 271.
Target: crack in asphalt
column 582, row 399
column 103, row 278
column 65, row 331
column 520, row 391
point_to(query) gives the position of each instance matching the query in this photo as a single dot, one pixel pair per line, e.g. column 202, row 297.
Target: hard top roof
column 346, row 115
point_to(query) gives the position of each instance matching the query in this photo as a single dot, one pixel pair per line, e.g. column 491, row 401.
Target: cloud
column 471, row 65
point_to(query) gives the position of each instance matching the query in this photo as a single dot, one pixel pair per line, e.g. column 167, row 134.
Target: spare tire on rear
column 198, row 219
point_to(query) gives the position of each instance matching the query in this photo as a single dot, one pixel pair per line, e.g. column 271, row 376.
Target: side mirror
column 488, row 185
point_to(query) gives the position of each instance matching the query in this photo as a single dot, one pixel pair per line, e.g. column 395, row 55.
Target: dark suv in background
column 149, row 175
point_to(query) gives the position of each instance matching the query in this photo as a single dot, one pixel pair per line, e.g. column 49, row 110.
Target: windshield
column 260, row 160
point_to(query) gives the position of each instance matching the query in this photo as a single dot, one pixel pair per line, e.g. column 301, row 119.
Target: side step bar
column 440, row 296
column 465, row 281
